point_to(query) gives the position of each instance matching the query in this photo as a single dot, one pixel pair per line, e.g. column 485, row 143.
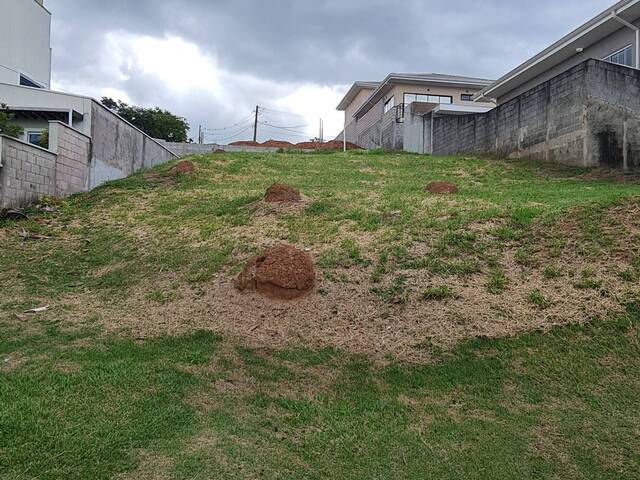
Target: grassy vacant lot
column 490, row 334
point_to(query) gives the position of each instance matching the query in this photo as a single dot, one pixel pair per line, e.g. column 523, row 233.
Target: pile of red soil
column 280, row 192
column 245, row 143
column 184, row 167
column 442, row 188
column 277, row 144
column 282, row 272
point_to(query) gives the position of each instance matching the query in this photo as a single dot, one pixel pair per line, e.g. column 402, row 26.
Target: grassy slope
column 543, row 406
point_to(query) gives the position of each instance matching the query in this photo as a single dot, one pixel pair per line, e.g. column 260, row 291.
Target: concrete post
column 54, row 133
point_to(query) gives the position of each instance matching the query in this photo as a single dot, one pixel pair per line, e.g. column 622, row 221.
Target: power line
column 246, row 119
column 286, row 129
column 280, row 126
column 281, row 112
column 247, row 129
column 231, row 133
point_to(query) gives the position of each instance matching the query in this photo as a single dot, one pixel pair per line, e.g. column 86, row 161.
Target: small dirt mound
column 184, row 167
column 277, row 144
column 442, row 188
column 282, row 273
column 282, row 193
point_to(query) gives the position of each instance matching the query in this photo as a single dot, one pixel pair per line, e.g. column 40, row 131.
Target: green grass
column 79, row 402
column 555, row 405
column 441, row 292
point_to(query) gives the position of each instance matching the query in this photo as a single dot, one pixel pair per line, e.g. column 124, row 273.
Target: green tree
column 155, row 122
column 6, row 127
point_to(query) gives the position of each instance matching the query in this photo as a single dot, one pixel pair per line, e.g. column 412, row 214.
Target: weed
column 498, row 280
column 539, row 300
column 551, row 271
column 441, row 292
column 395, row 293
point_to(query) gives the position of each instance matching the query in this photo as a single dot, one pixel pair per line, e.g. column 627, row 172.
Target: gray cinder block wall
column 586, row 116
column 73, row 150
column 74, row 162
column 27, row 172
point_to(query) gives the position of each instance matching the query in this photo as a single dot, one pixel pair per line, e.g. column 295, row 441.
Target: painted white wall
column 25, row 42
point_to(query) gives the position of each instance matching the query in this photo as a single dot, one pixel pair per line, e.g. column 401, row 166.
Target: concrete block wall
column 74, row 153
column 549, row 122
column 587, row 116
column 369, row 128
column 120, row 149
column 27, row 172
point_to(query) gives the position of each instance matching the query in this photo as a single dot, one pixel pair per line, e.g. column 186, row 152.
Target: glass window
column 389, row 104
column 466, row 97
column 34, row 138
column 25, row 82
column 622, row 57
column 417, row 97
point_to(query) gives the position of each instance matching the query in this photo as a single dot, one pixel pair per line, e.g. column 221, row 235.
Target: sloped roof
column 419, row 79
column 353, row 92
column 583, row 37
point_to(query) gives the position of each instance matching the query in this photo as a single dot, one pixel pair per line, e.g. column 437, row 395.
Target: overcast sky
column 213, row 61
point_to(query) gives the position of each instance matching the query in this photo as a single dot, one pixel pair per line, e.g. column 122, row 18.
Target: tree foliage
column 6, row 127
column 155, row 122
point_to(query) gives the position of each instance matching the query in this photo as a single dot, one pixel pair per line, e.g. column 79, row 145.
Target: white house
column 25, row 45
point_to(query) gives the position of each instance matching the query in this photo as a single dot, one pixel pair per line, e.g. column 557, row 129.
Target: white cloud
column 175, row 74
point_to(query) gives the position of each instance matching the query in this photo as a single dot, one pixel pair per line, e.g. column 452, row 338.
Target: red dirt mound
column 280, row 192
column 277, row 144
column 183, row 166
column 283, row 273
column 245, row 143
column 441, row 187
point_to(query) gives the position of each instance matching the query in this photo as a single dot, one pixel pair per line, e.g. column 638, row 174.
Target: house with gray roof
column 375, row 111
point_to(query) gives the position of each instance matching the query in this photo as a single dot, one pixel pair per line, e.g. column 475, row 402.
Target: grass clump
column 395, row 293
column 438, row 293
column 539, row 300
column 498, row 280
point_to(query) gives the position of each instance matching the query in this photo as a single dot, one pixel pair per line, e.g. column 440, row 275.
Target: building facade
column 575, row 103
column 25, row 45
column 375, row 111
column 613, row 36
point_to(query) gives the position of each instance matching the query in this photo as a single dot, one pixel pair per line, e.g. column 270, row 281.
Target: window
column 34, row 137
column 25, row 82
column 466, row 97
column 426, row 98
column 622, row 57
column 389, row 104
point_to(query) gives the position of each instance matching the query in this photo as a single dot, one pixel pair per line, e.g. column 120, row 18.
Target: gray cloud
column 325, row 42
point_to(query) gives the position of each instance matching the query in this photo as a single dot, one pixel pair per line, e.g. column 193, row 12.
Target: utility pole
column 255, row 125
column 200, row 134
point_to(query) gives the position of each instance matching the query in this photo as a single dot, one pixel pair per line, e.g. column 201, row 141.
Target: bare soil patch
column 440, row 188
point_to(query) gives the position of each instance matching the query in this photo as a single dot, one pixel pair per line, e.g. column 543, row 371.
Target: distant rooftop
column 420, row 79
